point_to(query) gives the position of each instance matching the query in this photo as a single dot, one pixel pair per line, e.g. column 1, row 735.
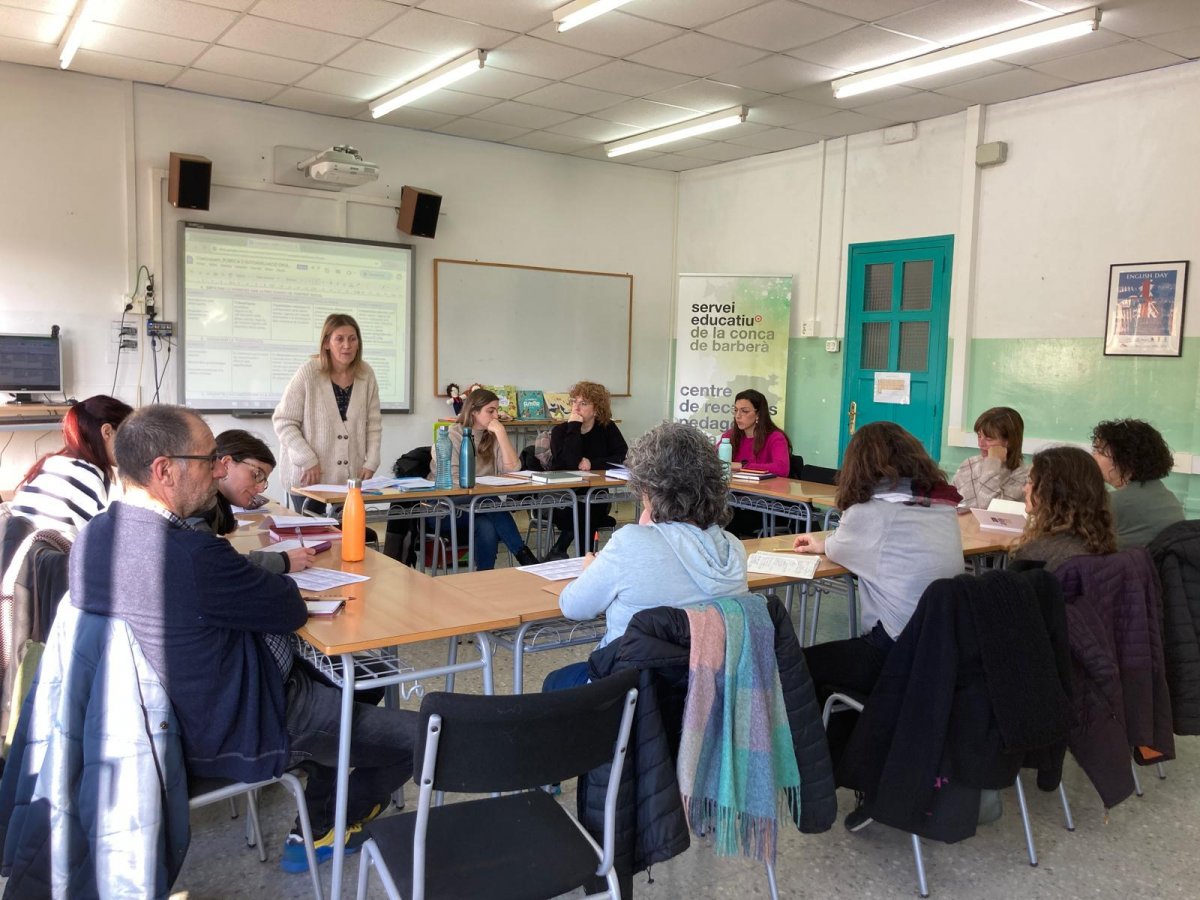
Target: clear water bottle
column 466, row 460
column 444, row 479
column 725, row 454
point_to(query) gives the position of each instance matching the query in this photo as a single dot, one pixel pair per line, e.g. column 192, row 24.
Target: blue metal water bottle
column 466, row 460
column 443, row 480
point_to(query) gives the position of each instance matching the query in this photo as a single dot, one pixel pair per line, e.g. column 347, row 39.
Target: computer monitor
column 30, row 364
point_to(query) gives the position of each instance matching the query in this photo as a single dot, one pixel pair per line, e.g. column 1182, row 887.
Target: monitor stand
column 21, row 400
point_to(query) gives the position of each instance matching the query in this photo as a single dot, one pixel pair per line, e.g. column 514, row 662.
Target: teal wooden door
column 897, row 309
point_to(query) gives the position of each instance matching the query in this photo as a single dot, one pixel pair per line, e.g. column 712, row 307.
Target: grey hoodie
column 643, row 566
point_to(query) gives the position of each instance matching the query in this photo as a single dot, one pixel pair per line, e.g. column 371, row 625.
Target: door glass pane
column 914, row 346
column 875, row 347
column 918, row 285
column 877, row 288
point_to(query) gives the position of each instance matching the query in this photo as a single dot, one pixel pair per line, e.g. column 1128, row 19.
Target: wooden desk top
column 525, row 487
column 12, row 414
column 397, row 606
column 787, row 489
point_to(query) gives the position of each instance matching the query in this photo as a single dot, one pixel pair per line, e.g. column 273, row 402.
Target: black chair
column 519, row 845
column 819, row 474
column 796, row 467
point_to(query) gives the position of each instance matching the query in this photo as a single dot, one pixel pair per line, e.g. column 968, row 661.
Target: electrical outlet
column 159, row 328
column 808, row 328
column 138, row 307
column 833, row 345
column 124, row 337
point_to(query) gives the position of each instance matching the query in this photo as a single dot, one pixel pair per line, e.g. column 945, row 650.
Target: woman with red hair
column 64, row 489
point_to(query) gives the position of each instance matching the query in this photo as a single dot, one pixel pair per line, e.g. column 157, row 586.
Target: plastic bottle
column 354, row 523
column 725, row 454
column 444, row 479
column 466, row 460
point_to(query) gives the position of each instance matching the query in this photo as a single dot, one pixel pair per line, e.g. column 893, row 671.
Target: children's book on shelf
column 508, row 398
column 558, row 404
column 531, row 404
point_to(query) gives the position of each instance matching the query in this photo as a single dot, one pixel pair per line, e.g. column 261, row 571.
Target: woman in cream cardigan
column 328, row 419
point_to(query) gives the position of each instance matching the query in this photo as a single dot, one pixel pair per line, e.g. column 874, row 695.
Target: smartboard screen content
column 254, row 303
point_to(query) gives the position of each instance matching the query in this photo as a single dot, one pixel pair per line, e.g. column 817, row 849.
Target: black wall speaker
column 418, row 211
column 189, row 183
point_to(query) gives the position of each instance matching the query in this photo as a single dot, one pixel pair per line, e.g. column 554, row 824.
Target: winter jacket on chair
column 94, row 800
column 1118, row 673
column 976, row 687
column 650, row 822
column 1176, row 554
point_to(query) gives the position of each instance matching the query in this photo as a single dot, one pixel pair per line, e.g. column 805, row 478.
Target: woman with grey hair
column 678, row 553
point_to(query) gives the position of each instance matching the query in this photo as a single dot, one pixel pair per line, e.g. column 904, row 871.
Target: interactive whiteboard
column 253, row 303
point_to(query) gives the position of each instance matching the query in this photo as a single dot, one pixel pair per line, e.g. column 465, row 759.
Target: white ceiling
column 649, row 64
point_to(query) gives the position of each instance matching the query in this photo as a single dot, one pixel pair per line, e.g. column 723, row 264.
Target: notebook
column 1001, row 515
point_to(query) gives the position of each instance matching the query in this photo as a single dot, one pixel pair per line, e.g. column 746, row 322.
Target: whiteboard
column 533, row 328
column 253, row 303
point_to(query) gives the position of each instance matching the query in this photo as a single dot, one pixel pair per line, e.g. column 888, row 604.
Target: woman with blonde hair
column 494, row 455
column 1068, row 509
column 998, row 470
column 328, row 420
column 588, row 440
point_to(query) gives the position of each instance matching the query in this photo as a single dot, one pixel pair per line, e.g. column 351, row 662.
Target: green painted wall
column 1062, row 388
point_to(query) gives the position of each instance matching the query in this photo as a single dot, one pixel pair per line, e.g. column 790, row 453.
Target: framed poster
column 1145, row 309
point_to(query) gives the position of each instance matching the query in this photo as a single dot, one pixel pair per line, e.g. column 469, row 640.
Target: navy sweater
column 197, row 608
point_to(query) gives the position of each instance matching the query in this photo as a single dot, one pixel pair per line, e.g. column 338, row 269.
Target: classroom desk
column 31, row 416
column 355, row 649
column 785, row 498
column 529, row 496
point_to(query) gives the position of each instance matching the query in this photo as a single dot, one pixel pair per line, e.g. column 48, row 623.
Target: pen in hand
column 300, row 536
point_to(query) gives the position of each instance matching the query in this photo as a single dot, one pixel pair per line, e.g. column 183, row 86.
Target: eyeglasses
column 580, row 401
column 260, row 477
column 210, row 458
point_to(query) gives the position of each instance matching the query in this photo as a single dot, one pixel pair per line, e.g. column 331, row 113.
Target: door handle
column 852, row 415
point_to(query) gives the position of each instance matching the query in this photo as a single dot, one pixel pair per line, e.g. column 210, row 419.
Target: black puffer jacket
column 1176, row 554
column 650, row 821
column 1114, row 625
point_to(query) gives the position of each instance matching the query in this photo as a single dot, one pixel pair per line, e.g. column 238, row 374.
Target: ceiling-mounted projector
column 340, row 164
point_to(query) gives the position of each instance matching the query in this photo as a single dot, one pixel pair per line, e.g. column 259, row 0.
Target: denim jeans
column 490, row 529
column 381, row 748
column 569, row 676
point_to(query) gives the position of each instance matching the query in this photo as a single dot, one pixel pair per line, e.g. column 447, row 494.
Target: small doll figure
column 454, row 397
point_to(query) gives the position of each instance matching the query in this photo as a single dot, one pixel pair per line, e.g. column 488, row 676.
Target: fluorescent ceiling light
column 691, row 128
column 582, row 11
column 428, row 83
column 1006, row 43
column 73, row 36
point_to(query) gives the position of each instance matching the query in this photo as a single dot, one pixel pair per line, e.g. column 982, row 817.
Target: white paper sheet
column 796, row 565
column 285, row 522
column 316, row 579
column 557, row 570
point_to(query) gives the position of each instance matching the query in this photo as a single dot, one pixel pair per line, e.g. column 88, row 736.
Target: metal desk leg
column 803, row 618
column 519, row 658
column 451, row 659
column 343, row 777
column 852, row 604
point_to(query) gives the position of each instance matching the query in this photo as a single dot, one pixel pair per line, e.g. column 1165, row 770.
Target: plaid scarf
column 736, row 762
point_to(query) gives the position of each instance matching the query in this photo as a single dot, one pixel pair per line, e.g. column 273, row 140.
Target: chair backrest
column 796, row 466
column 510, row 743
column 414, row 464
column 819, row 474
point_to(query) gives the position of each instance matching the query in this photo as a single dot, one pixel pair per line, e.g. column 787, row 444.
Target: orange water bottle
column 354, row 523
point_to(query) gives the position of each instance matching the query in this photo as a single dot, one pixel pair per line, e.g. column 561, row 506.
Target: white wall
column 76, row 229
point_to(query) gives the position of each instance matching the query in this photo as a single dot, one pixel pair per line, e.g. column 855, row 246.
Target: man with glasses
column 218, row 632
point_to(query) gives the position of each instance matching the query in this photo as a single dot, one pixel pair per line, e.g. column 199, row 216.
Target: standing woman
column 998, row 470
column 1134, row 459
column 64, row 489
column 758, row 443
column 588, row 440
column 494, row 455
column 328, row 419
column 1068, row 510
